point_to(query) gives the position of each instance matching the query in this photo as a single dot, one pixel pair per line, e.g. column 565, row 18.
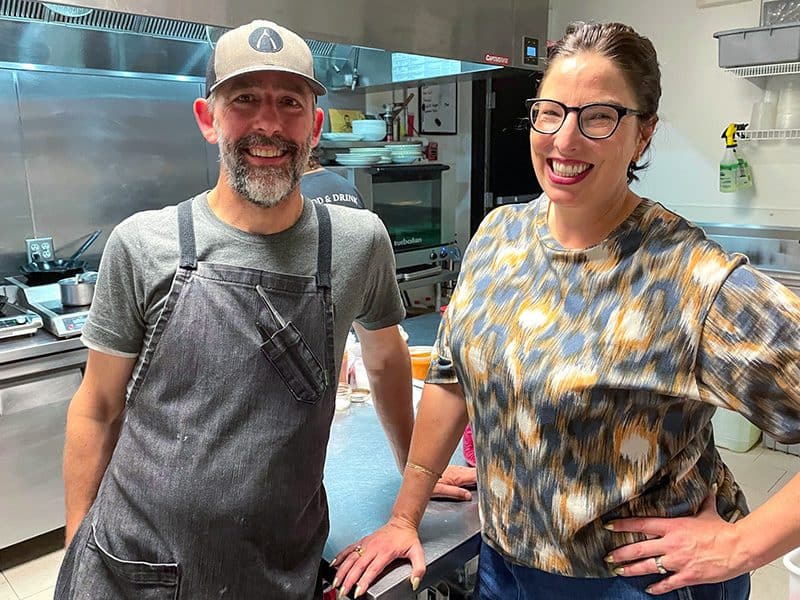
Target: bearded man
column 196, row 443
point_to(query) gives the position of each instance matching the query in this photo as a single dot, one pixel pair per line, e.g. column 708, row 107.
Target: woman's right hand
column 360, row 563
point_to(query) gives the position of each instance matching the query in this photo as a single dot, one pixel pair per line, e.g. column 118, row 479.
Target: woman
column 591, row 337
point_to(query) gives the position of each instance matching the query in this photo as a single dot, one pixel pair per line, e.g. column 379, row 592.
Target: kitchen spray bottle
column 744, row 175
column 729, row 164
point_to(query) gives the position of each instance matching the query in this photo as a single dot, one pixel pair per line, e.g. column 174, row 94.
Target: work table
column 362, row 481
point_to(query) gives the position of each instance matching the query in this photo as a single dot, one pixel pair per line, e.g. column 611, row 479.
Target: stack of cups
column 788, row 109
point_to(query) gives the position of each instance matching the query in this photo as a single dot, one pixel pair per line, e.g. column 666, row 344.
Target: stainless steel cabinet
column 34, row 395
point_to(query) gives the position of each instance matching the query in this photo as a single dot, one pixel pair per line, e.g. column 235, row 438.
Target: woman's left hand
column 688, row 550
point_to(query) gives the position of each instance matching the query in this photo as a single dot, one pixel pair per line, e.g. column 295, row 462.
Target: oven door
column 408, row 199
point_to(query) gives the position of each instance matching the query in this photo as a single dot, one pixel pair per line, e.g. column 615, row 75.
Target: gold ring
column 359, row 550
column 659, row 565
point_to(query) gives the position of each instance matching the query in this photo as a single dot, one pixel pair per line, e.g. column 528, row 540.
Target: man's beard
column 266, row 187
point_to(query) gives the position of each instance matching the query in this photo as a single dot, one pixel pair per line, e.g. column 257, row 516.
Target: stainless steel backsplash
column 82, row 151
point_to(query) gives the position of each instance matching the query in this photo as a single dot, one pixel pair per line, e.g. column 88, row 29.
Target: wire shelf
column 792, row 68
column 769, row 134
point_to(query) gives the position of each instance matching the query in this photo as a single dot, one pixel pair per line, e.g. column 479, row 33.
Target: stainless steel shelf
column 768, row 134
column 755, row 71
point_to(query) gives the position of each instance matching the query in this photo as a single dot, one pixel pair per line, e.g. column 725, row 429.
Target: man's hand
column 454, row 481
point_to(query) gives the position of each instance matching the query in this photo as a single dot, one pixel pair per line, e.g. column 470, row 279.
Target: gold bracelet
column 424, row 470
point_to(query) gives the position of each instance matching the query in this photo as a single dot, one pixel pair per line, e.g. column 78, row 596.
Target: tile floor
column 28, row 571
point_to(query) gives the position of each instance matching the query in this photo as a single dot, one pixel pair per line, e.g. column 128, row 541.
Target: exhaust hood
column 359, row 44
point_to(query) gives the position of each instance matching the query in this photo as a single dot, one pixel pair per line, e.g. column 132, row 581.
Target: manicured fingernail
column 358, row 591
column 414, row 583
column 341, row 594
column 619, row 571
column 649, row 590
column 609, row 526
column 714, row 488
column 333, row 562
column 609, row 558
column 335, row 582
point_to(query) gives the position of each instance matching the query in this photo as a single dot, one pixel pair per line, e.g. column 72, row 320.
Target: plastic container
column 759, row 45
column 734, row 432
column 788, row 109
column 420, row 361
column 792, row 562
column 763, row 115
column 728, row 171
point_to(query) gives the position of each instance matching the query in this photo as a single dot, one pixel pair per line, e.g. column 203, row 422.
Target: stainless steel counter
column 40, row 344
column 362, row 482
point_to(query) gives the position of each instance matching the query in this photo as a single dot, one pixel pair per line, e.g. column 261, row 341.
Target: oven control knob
column 443, row 253
column 21, row 320
column 433, row 256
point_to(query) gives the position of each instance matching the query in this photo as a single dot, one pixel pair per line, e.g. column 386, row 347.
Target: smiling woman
column 590, row 366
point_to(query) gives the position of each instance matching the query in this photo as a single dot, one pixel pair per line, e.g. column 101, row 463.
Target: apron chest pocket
column 294, row 361
column 111, row 577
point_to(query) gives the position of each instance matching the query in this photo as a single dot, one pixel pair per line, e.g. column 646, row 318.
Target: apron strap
column 186, row 235
column 323, row 245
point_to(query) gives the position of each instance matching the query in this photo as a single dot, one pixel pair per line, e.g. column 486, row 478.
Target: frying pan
column 51, row 271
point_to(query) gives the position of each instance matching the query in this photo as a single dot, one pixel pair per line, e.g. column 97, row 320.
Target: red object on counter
column 410, row 128
column 433, row 151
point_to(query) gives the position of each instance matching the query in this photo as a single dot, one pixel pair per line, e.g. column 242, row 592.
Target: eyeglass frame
column 622, row 111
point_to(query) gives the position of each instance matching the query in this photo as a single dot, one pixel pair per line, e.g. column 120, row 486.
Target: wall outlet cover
column 40, row 249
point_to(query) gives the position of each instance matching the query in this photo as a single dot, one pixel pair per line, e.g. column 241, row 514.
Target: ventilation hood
column 356, row 45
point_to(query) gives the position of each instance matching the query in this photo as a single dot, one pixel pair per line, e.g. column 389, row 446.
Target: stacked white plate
column 384, row 154
column 341, row 137
column 404, row 154
column 357, row 160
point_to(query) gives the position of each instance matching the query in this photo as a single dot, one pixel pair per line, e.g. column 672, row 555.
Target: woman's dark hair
column 633, row 54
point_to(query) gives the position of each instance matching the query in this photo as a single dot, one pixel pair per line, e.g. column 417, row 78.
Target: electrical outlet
column 40, row 249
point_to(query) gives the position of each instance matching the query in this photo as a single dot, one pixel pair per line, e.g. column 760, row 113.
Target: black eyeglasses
column 596, row 121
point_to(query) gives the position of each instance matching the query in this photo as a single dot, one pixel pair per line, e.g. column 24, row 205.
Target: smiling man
column 196, row 443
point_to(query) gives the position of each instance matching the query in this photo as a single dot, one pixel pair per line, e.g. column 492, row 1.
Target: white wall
column 698, row 100
column 454, row 150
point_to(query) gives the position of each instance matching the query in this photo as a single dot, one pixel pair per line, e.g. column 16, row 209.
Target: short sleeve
column 749, row 354
column 441, row 369
column 116, row 323
column 382, row 304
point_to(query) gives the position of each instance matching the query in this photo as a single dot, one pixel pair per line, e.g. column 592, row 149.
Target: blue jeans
column 499, row 579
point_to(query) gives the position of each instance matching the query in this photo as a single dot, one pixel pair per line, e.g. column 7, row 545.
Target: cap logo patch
column 265, row 39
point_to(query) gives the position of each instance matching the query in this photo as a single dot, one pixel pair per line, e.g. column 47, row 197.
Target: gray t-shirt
column 330, row 188
column 141, row 257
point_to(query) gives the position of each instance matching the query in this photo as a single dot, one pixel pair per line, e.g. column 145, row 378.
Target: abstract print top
column 591, row 377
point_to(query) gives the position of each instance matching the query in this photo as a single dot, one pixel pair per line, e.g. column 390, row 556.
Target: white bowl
column 341, row 137
column 404, row 160
column 368, row 124
column 404, row 147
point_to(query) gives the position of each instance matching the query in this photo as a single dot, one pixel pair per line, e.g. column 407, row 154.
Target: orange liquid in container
column 420, row 361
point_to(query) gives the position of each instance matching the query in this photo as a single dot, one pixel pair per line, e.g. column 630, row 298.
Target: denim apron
column 214, row 489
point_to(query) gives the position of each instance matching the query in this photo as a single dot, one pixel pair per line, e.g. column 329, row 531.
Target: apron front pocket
column 294, row 361
column 108, row 576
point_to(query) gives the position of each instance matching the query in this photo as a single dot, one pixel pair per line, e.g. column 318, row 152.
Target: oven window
column 411, row 211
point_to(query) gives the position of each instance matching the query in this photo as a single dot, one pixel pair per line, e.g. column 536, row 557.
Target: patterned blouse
column 591, row 377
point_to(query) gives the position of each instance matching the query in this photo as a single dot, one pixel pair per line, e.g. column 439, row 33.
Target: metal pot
column 78, row 290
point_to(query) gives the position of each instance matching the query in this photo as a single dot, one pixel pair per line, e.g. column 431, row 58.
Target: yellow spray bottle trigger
column 729, row 135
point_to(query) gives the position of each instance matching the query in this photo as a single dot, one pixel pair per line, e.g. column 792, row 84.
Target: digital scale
column 16, row 320
column 45, row 300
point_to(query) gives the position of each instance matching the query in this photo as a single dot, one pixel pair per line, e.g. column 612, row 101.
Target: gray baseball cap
column 260, row 46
